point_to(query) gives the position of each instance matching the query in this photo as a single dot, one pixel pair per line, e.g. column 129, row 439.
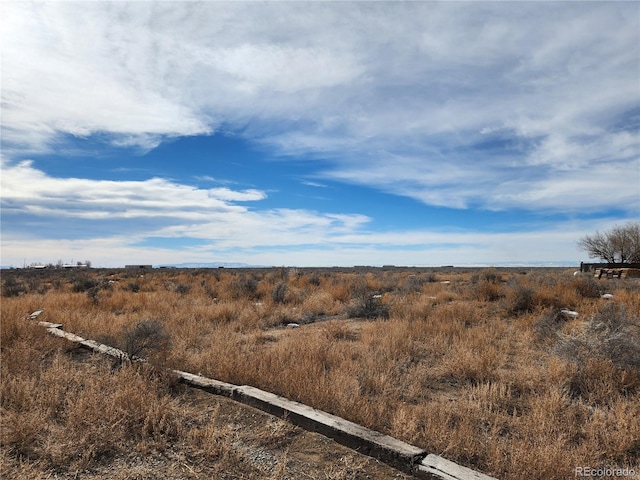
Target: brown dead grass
column 470, row 369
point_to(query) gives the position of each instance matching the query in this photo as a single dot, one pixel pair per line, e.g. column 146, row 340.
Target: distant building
column 139, row 266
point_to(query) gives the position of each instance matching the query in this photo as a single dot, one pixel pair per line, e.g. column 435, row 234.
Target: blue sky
column 317, row 134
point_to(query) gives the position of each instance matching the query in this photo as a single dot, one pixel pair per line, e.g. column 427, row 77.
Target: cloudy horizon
column 317, row 134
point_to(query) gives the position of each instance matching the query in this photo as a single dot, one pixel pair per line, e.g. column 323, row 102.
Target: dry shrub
column 473, row 364
column 519, row 300
column 606, row 354
column 609, row 335
column 84, row 284
column 448, row 316
column 279, row 293
column 68, row 410
column 147, row 337
column 415, row 283
column 598, row 382
column 366, row 303
column 555, row 296
column 487, row 285
column 282, row 315
column 548, row 325
column 245, row 287
column 339, row 330
column 225, row 312
column 340, row 289
column 412, row 307
column 491, row 275
column 586, row 286
column 488, row 291
column 13, row 288
column 320, row 303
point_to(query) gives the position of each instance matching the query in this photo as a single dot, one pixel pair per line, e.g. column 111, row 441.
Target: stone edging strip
column 387, row 449
column 403, row 456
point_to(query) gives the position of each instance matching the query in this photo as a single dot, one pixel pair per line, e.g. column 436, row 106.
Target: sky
column 316, row 133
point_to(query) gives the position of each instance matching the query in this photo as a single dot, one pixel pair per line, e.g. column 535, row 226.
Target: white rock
column 607, row 296
column 569, row 313
column 293, row 325
column 35, row 314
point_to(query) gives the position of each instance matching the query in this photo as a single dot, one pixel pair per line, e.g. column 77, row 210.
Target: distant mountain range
column 567, row 263
column 210, row 265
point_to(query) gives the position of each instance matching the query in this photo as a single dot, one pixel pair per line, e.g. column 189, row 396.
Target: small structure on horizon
column 139, row 266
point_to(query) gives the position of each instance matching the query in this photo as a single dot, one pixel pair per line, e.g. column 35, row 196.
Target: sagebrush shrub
column 587, row 286
column 520, row 300
column 145, row 337
column 488, row 291
column 489, row 275
column 132, row 287
column 84, row 284
column 547, row 326
column 365, row 304
column 609, row 335
column 183, row 288
column 12, row 288
column 245, row 287
column 279, row 293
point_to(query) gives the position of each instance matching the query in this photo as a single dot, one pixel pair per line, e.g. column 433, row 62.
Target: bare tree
column 620, row 245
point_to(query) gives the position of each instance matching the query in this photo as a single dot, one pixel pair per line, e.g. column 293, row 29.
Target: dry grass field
column 477, row 365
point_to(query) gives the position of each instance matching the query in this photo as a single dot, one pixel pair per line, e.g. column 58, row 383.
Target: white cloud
column 26, row 189
column 601, row 185
column 430, row 84
column 313, row 184
column 283, row 68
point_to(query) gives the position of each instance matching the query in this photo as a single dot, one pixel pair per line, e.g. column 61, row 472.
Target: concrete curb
column 387, row 449
column 207, row 384
column 400, row 455
column 56, row 329
column 442, row 468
